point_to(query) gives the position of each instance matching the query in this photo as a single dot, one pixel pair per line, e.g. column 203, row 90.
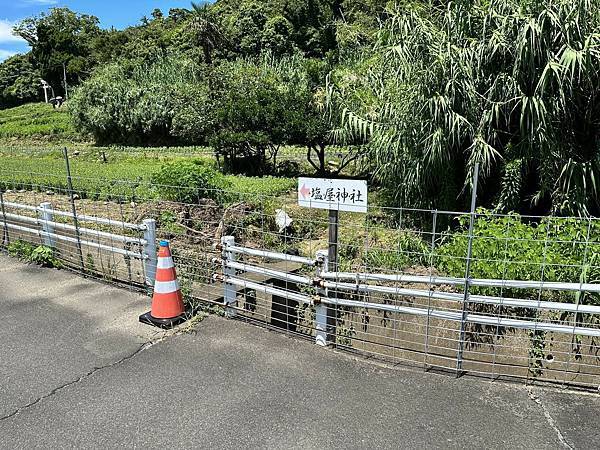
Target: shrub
column 143, row 103
column 507, row 247
column 188, row 181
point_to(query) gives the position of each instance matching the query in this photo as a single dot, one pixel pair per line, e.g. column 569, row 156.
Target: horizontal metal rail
column 459, row 297
column 271, row 255
column 420, row 293
column 473, row 318
column 64, row 226
column 298, row 279
column 80, row 217
column 75, row 241
column 268, row 289
column 517, row 284
column 432, row 313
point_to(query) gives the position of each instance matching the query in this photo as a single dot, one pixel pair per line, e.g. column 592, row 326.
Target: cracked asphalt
column 78, row 370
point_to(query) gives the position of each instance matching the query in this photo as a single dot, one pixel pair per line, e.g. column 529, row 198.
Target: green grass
column 31, row 141
column 260, row 187
column 36, row 120
column 35, row 127
column 95, row 179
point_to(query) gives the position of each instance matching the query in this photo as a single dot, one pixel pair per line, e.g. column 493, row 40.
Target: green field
column 96, row 179
column 32, row 138
column 36, row 121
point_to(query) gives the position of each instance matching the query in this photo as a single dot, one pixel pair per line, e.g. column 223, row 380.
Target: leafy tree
column 358, row 22
column 249, row 114
column 61, row 37
column 143, row 43
column 243, row 23
column 314, row 25
column 278, row 26
column 206, row 30
column 512, row 85
column 189, row 181
column 157, row 14
column 19, row 82
column 260, row 105
column 277, row 36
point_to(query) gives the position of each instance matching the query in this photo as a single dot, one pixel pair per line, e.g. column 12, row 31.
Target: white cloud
column 5, row 54
column 6, row 35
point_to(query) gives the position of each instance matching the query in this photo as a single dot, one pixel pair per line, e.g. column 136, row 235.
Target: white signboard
column 341, row 195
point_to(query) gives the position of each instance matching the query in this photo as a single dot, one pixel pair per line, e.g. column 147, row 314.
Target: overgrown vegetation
column 188, row 181
column 511, row 84
column 508, row 247
column 511, row 248
column 41, row 255
column 420, row 91
column 144, row 103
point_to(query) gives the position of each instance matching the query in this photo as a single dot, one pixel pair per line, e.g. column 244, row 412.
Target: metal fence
column 496, row 295
column 78, row 247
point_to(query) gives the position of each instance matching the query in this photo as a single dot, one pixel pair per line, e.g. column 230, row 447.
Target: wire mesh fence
column 498, row 295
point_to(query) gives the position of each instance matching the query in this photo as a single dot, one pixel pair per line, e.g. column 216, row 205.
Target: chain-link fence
column 498, row 295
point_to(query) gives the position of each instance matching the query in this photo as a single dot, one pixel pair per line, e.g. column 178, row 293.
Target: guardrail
column 45, row 227
column 329, row 293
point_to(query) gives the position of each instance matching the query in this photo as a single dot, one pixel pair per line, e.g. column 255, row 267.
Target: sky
column 112, row 13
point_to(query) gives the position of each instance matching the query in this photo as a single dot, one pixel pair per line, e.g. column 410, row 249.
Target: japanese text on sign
column 341, row 195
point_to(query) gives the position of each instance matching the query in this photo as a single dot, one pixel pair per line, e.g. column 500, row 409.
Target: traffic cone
column 167, row 302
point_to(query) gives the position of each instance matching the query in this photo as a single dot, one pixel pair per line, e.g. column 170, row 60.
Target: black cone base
column 162, row 323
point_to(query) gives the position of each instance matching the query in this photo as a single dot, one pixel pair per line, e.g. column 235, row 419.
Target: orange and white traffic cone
column 167, row 302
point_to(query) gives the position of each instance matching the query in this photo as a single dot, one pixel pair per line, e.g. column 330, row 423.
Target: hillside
column 36, row 121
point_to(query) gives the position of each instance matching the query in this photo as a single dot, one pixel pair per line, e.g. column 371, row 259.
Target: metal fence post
column 151, row 258
column 334, row 222
column 74, row 210
column 461, row 342
column 431, row 263
column 5, row 238
column 230, row 291
column 45, row 213
column 321, row 335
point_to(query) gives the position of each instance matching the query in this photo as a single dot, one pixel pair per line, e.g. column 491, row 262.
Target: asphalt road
column 77, row 370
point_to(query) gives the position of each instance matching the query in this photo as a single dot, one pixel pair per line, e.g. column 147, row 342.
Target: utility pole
column 65, row 81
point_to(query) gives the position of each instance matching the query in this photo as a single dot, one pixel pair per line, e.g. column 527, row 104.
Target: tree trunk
column 319, row 149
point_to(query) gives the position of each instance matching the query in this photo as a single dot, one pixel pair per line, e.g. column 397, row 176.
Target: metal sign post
column 334, row 196
column 332, row 253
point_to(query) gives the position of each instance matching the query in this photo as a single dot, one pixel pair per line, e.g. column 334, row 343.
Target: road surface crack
column 83, row 377
column 549, row 418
